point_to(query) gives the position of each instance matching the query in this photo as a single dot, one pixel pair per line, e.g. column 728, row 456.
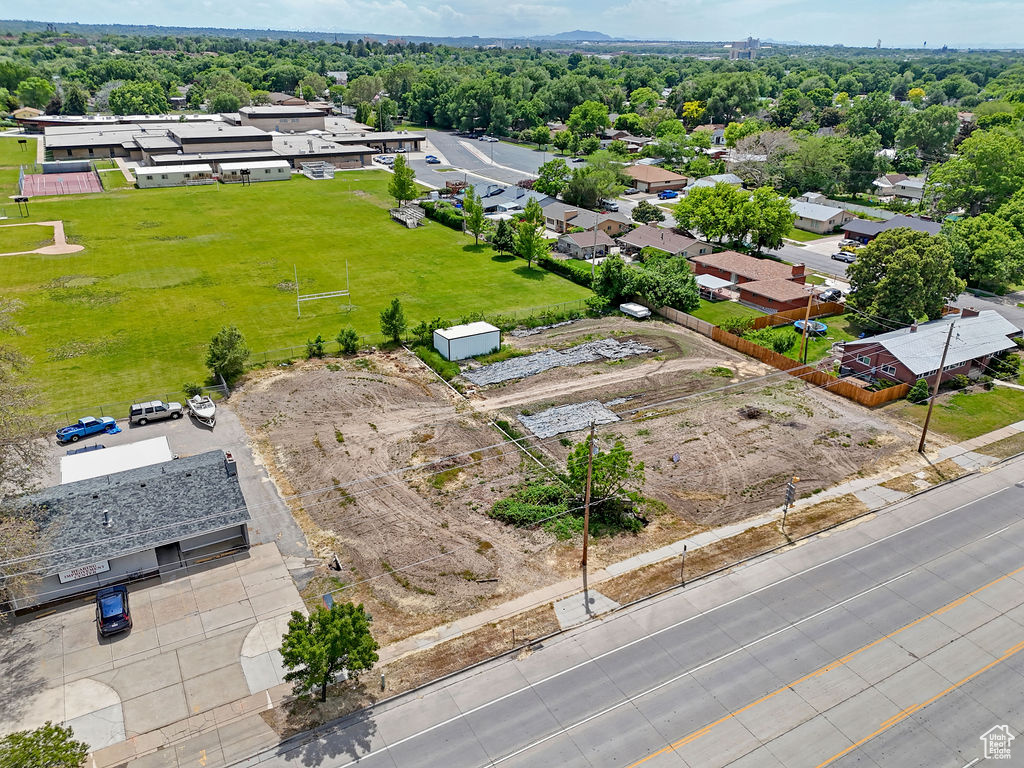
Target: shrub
column 919, row 392
column 315, row 347
column 445, row 213
column 1005, row 366
column 596, row 305
column 737, row 326
column 192, row 389
column 446, row 369
column 577, row 271
column 959, row 382
column 348, row 341
column 780, row 340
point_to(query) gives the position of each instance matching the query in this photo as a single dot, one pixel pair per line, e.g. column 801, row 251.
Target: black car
column 112, row 614
column 849, row 258
column 831, row 294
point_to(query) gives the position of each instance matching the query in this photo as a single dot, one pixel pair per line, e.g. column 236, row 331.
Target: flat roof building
column 285, row 119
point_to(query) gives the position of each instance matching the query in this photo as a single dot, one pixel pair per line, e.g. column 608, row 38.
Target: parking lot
column 203, row 648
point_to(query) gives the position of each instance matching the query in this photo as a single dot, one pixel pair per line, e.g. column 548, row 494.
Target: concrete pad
column 84, row 662
column 274, row 602
column 80, row 635
column 100, row 728
column 136, row 679
column 825, row 690
column 213, row 689
column 118, row 754
column 173, row 607
column 221, row 593
column 228, row 615
column 142, row 614
column 84, row 696
column 912, row 685
column 126, row 648
column 261, row 672
column 925, row 637
column 208, row 655
column 35, row 709
column 972, row 460
column 719, row 746
column 582, row 606
column 154, row 710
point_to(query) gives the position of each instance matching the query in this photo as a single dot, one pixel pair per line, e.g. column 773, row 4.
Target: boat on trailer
column 202, row 409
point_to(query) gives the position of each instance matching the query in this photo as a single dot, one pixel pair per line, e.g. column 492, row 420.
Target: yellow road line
column 834, row 665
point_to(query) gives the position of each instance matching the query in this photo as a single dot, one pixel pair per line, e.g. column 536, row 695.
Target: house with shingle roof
column 652, row 179
column 740, row 268
column 582, row 245
column 667, row 240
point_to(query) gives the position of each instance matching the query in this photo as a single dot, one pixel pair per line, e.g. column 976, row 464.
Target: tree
column 646, row 212
column 49, row 746
column 364, row 113
column 530, row 243
column 611, row 279
column 818, row 164
column 664, row 281
column 589, row 145
column 630, row 122
column 315, row 347
column 540, row 135
column 876, row 112
column 402, row 186
column 552, row 177
column 736, row 131
column 770, row 218
column 348, row 341
column 692, row 113
column 75, row 102
column 903, row 276
column 614, row 474
column 473, row 209
column 930, row 130
column 227, row 354
column 677, row 149
column 503, row 240
column 563, row 140
column 35, row 92
column 224, row 102
column 139, row 98
column 759, row 159
column 317, row 648
column 713, row 211
column 588, row 118
column 987, row 251
column 643, row 99
column 392, row 321
column 987, row 170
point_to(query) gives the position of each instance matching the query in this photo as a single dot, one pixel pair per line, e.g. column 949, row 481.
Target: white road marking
column 680, row 623
column 996, row 533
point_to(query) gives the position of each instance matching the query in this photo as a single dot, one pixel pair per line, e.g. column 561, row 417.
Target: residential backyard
column 717, row 312
column 963, row 415
column 164, row 269
column 803, row 236
column 840, row 328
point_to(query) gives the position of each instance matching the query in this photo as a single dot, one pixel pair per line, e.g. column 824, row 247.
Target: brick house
column 666, row 240
column 580, row 245
column 652, row 179
column 914, row 353
column 775, row 295
column 739, row 268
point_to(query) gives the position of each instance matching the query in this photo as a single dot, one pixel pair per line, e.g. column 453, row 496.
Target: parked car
column 432, row 159
column 830, row 294
column 85, row 426
column 609, row 205
column 578, row 160
column 846, row 256
column 630, row 191
column 488, row 139
column 848, row 241
column 154, row 410
column 667, row 194
column 402, row 150
column 112, row 612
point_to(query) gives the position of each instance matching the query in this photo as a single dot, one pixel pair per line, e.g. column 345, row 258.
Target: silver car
column 154, row 410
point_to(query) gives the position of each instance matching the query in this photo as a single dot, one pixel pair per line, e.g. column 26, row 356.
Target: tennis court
column 38, row 184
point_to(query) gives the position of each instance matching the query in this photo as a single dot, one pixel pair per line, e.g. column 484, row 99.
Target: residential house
column 709, row 181
column 866, row 231
column 774, row 295
column 885, row 186
column 909, row 189
column 738, row 268
column 717, row 131
column 498, row 199
column 913, row 353
column 820, row 219
column 286, row 99
column 670, row 241
column 584, row 245
column 652, row 179
column 24, row 113
column 560, row 217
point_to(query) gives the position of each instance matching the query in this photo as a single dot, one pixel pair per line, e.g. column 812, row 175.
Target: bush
column 315, row 347
column 919, row 392
column 577, row 271
column 446, row 369
column 596, row 305
column 348, row 341
column 737, row 326
column 780, row 340
column 192, row 389
column 444, row 213
column 959, row 382
column 1005, row 366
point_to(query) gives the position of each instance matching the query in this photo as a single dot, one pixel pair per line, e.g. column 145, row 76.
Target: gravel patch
column 531, row 365
column 567, row 418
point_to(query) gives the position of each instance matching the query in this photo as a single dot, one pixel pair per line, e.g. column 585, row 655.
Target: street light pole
column 935, row 389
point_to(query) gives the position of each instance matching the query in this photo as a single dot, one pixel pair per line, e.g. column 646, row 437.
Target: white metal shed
column 174, row 175
column 470, row 340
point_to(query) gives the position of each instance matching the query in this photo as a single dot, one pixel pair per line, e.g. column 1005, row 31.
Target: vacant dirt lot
column 394, row 472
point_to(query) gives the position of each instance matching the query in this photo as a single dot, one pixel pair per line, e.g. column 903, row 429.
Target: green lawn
column 716, row 312
column 963, row 416
column 114, row 179
column 16, row 238
column 815, row 279
column 803, row 236
column 13, row 154
column 163, row 269
column 840, row 328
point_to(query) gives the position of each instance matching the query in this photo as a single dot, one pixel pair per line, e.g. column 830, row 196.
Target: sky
column 906, row 23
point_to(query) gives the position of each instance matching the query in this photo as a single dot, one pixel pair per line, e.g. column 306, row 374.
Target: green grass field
column 802, row 236
column 163, row 269
column 716, row 312
column 963, row 416
column 13, row 154
column 16, row 238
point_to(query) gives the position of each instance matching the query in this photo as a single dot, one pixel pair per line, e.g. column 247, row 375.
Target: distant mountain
column 576, row 35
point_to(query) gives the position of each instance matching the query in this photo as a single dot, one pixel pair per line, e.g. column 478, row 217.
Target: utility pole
column 790, row 498
column 807, row 321
column 682, row 568
column 935, row 389
column 586, row 499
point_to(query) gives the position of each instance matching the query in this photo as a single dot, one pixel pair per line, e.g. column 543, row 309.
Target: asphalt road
column 893, row 642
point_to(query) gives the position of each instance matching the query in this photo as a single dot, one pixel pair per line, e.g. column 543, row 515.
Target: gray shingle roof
column 813, row 211
column 921, row 350
column 872, row 228
column 149, row 506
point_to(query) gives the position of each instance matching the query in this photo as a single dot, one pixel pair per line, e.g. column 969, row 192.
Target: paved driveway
column 203, row 646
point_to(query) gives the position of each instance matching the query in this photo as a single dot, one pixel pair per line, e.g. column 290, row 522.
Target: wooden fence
column 788, row 316
column 702, row 327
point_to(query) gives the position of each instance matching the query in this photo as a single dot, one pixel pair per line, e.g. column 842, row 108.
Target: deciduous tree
column 392, row 321
column 227, row 355
column 473, row 208
column 588, row 118
column 930, row 130
column 988, row 251
column 139, row 98
column 987, row 170
column 49, row 746
column 646, row 212
column 318, row 647
column 35, row 92
column 402, row 186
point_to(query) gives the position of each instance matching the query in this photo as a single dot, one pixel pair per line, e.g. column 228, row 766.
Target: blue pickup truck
column 86, row 426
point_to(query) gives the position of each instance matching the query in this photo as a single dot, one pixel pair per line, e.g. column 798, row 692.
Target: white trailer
column 174, row 175
column 462, row 341
column 259, row 170
column 639, row 311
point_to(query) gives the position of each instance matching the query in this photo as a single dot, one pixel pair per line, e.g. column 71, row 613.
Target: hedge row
column 444, row 213
column 572, row 269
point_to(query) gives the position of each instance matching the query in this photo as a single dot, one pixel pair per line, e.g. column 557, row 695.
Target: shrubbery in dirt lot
column 446, row 369
column 348, row 341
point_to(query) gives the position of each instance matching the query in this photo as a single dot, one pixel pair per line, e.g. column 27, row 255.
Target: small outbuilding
column 174, row 175
column 463, row 341
column 259, row 170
